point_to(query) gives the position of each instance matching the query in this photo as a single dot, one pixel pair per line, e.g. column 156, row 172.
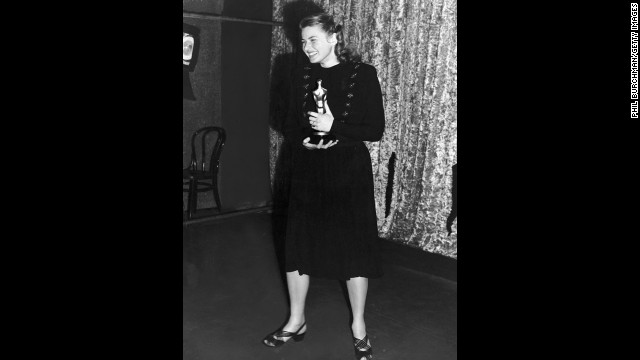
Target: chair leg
column 216, row 195
column 193, row 199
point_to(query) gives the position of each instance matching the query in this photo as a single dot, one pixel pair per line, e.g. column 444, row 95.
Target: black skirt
column 332, row 228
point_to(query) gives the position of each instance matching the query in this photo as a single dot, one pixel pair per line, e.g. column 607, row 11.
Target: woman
column 331, row 227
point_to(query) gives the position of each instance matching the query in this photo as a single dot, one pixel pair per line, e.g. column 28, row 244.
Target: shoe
column 363, row 348
column 273, row 341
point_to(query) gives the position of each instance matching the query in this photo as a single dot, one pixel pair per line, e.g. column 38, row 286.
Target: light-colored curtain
column 413, row 45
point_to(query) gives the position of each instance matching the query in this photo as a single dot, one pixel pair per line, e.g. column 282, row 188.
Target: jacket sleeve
column 369, row 125
column 292, row 130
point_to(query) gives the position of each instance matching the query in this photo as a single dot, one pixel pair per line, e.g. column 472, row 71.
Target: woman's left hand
column 321, row 122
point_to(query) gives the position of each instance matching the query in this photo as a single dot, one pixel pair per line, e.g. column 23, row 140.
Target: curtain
column 413, row 45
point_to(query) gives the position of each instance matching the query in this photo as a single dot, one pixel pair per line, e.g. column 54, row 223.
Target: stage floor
column 234, row 295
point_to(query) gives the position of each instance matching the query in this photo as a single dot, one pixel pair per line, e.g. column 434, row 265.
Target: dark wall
column 249, row 9
column 245, row 98
column 231, row 86
column 204, row 6
column 206, row 83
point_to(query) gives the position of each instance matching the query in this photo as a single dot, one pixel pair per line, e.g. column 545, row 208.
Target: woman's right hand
column 306, row 144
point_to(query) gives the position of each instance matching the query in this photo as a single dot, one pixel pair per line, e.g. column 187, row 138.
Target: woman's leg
column 298, row 286
column 357, row 289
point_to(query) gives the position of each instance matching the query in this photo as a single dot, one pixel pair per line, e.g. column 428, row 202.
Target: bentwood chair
column 202, row 173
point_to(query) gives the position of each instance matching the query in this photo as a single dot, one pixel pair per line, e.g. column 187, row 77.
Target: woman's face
column 318, row 45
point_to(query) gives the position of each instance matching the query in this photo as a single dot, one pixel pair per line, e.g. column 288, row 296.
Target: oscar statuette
column 320, row 98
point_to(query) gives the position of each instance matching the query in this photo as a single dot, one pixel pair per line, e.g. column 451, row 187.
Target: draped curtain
column 413, row 45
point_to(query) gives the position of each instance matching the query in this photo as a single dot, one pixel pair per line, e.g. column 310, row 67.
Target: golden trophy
column 320, row 98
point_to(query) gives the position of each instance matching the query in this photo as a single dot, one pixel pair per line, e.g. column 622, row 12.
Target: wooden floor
column 234, row 295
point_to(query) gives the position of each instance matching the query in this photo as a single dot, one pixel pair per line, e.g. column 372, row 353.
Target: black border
column 104, row 230
column 544, row 142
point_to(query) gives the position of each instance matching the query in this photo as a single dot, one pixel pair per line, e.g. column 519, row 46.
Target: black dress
column 332, row 228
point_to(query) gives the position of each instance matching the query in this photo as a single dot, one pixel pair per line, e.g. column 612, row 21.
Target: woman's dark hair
column 326, row 22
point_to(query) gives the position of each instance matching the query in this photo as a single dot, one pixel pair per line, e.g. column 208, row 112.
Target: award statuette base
column 316, row 136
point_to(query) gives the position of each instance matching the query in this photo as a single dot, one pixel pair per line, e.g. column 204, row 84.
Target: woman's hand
column 320, row 145
column 321, row 122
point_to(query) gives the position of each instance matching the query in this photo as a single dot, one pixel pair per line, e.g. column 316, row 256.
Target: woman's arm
column 292, row 131
column 369, row 125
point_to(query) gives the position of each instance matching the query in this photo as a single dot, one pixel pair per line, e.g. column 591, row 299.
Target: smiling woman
column 319, row 46
column 331, row 226
column 414, row 50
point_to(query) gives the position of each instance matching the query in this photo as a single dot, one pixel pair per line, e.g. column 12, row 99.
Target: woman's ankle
column 359, row 329
column 296, row 321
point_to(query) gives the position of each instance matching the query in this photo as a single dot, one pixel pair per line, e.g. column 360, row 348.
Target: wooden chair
column 202, row 173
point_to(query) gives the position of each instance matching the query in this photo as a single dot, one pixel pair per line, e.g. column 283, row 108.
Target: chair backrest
column 199, row 163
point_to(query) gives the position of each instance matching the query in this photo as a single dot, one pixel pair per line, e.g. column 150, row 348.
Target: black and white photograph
column 319, row 179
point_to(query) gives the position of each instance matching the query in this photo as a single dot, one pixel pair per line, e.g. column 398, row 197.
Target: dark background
column 231, row 86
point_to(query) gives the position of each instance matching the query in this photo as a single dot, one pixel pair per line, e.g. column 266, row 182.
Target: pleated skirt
column 331, row 226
